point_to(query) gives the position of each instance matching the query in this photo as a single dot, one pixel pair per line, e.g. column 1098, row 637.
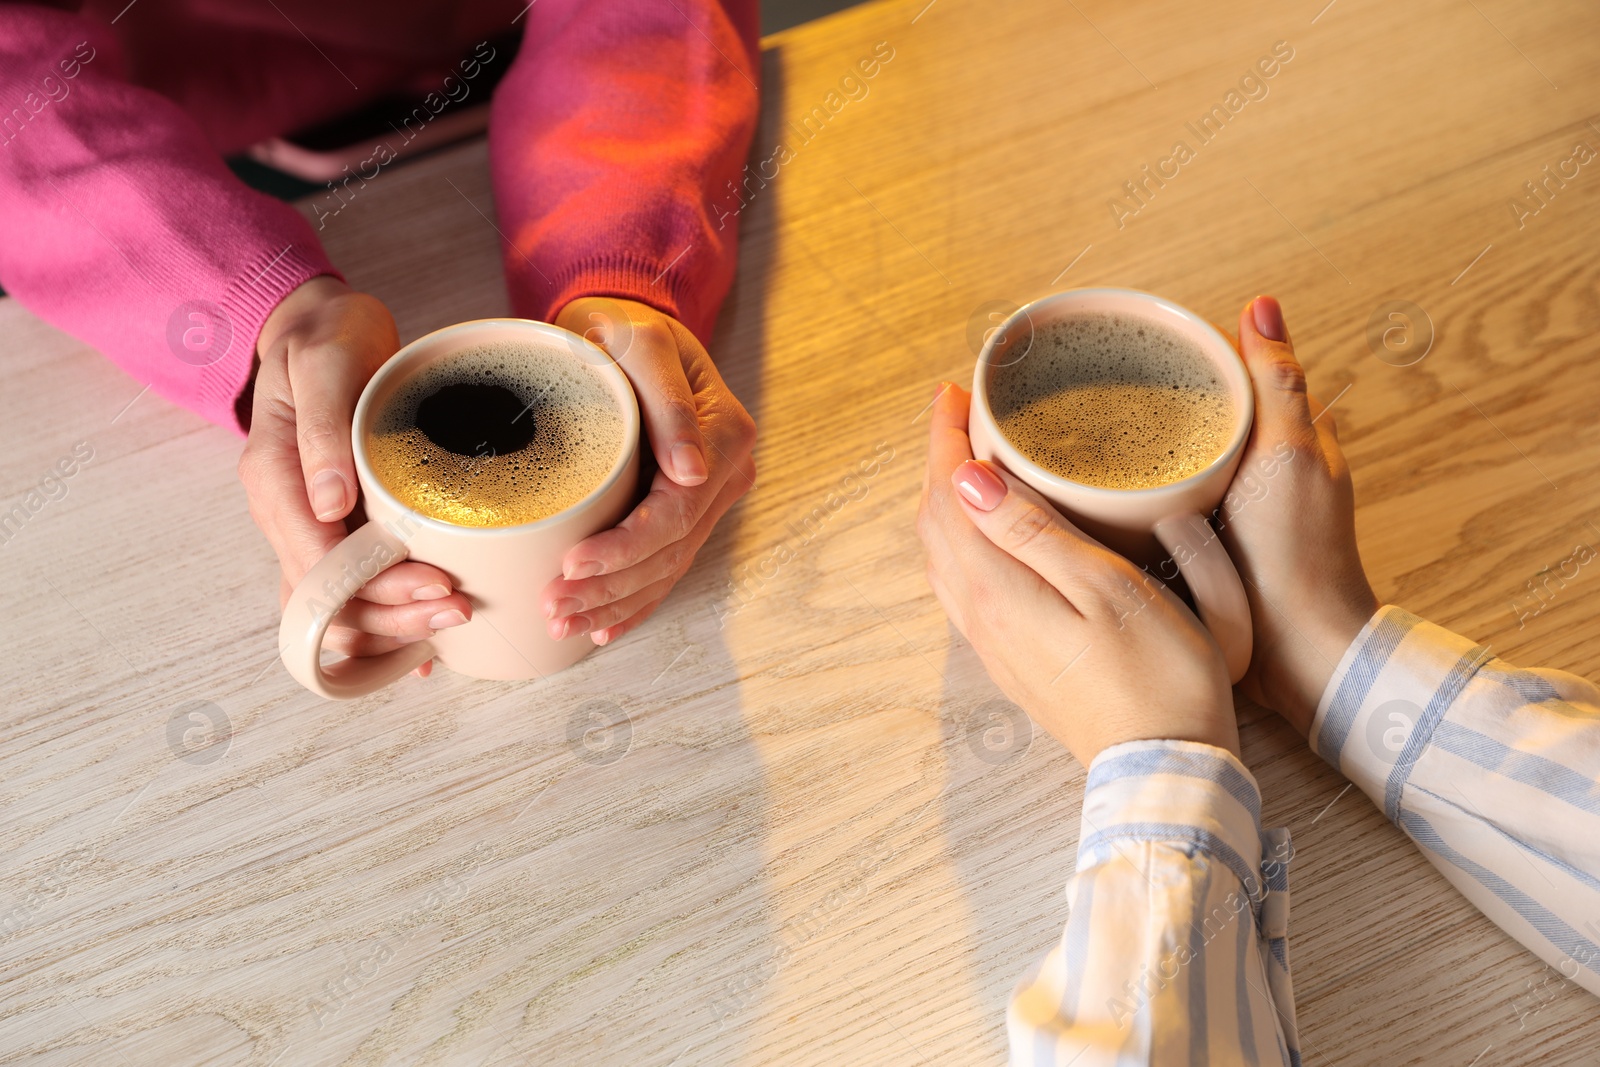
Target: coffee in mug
column 1112, row 401
column 498, row 435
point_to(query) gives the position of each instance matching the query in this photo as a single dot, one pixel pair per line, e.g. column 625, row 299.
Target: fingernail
column 979, row 485
column 430, row 592
column 577, row 572
column 940, row 388
column 689, row 463
column 565, row 606
column 327, row 495
column 574, row 626
column 445, row 619
column 1269, row 319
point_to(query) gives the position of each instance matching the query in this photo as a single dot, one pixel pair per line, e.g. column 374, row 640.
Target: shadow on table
column 658, row 856
column 648, row 939
column 1011, row 805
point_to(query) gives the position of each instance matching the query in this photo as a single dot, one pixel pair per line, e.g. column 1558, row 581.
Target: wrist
column 1218, row 730
column 299, row 302
column 582, row 313
column 1328, row 639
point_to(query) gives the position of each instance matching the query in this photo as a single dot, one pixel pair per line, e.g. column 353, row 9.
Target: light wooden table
column 791, row 849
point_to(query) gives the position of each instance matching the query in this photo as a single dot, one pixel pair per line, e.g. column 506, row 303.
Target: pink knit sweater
column 611, row 135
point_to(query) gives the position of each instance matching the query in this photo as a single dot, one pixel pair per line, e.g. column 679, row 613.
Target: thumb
column 325, row 385
column 1282, row 408
column 650, row 352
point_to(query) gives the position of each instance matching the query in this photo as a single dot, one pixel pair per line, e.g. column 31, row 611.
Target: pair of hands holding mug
column 1096, row 651
column 316, row 352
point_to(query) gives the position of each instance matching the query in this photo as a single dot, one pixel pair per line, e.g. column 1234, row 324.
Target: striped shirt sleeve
column 1175, row 948
column 1492, row 770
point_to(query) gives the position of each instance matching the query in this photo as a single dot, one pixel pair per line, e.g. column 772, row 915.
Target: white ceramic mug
column 1163, row 527
column 501, row 569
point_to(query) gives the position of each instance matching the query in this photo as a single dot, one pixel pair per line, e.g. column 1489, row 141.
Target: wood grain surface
column 813, row 833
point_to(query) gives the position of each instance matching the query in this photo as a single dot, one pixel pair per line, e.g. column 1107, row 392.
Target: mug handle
column 327, row 587
column 1218, row 593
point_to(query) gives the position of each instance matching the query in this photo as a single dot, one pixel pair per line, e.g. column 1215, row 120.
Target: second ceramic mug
column 1156, row 527
column 501, row 569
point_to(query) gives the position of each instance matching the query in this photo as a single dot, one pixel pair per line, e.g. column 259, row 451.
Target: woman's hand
column 1090, row 646
column 702, row 439
column 317, row 350
column 1288, row 522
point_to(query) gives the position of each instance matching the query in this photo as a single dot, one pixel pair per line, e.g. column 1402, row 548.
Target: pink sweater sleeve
column 121, row 225
column 614, row 137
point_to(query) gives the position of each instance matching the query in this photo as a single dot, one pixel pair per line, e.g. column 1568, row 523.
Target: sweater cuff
column 1390, row 689
column 661, row 285
column 259, row 288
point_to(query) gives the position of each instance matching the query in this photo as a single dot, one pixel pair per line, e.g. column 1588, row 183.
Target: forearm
column 1490, row 769
column 1177, row 927
column 121, row 225
column 610, row 138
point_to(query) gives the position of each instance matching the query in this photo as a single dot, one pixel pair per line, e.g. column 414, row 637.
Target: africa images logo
column 199, row 333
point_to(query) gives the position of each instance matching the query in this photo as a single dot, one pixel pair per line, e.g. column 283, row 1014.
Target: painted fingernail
column 443, row 620
column 565, row 606
column 1269, row 318
column 430, row 592
column 577, row 572
column 327, row 495
column 689, row 463
column 979, row 485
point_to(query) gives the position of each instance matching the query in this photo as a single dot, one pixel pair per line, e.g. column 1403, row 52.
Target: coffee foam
column 578, row 435
column 1113, row 401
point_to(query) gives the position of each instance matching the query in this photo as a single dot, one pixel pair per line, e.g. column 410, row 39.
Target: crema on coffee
column 497, row 435
column 1113, row 401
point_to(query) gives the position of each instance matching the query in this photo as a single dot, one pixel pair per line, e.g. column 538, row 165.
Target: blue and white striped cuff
column 1390, row 690
column 1184, row 794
